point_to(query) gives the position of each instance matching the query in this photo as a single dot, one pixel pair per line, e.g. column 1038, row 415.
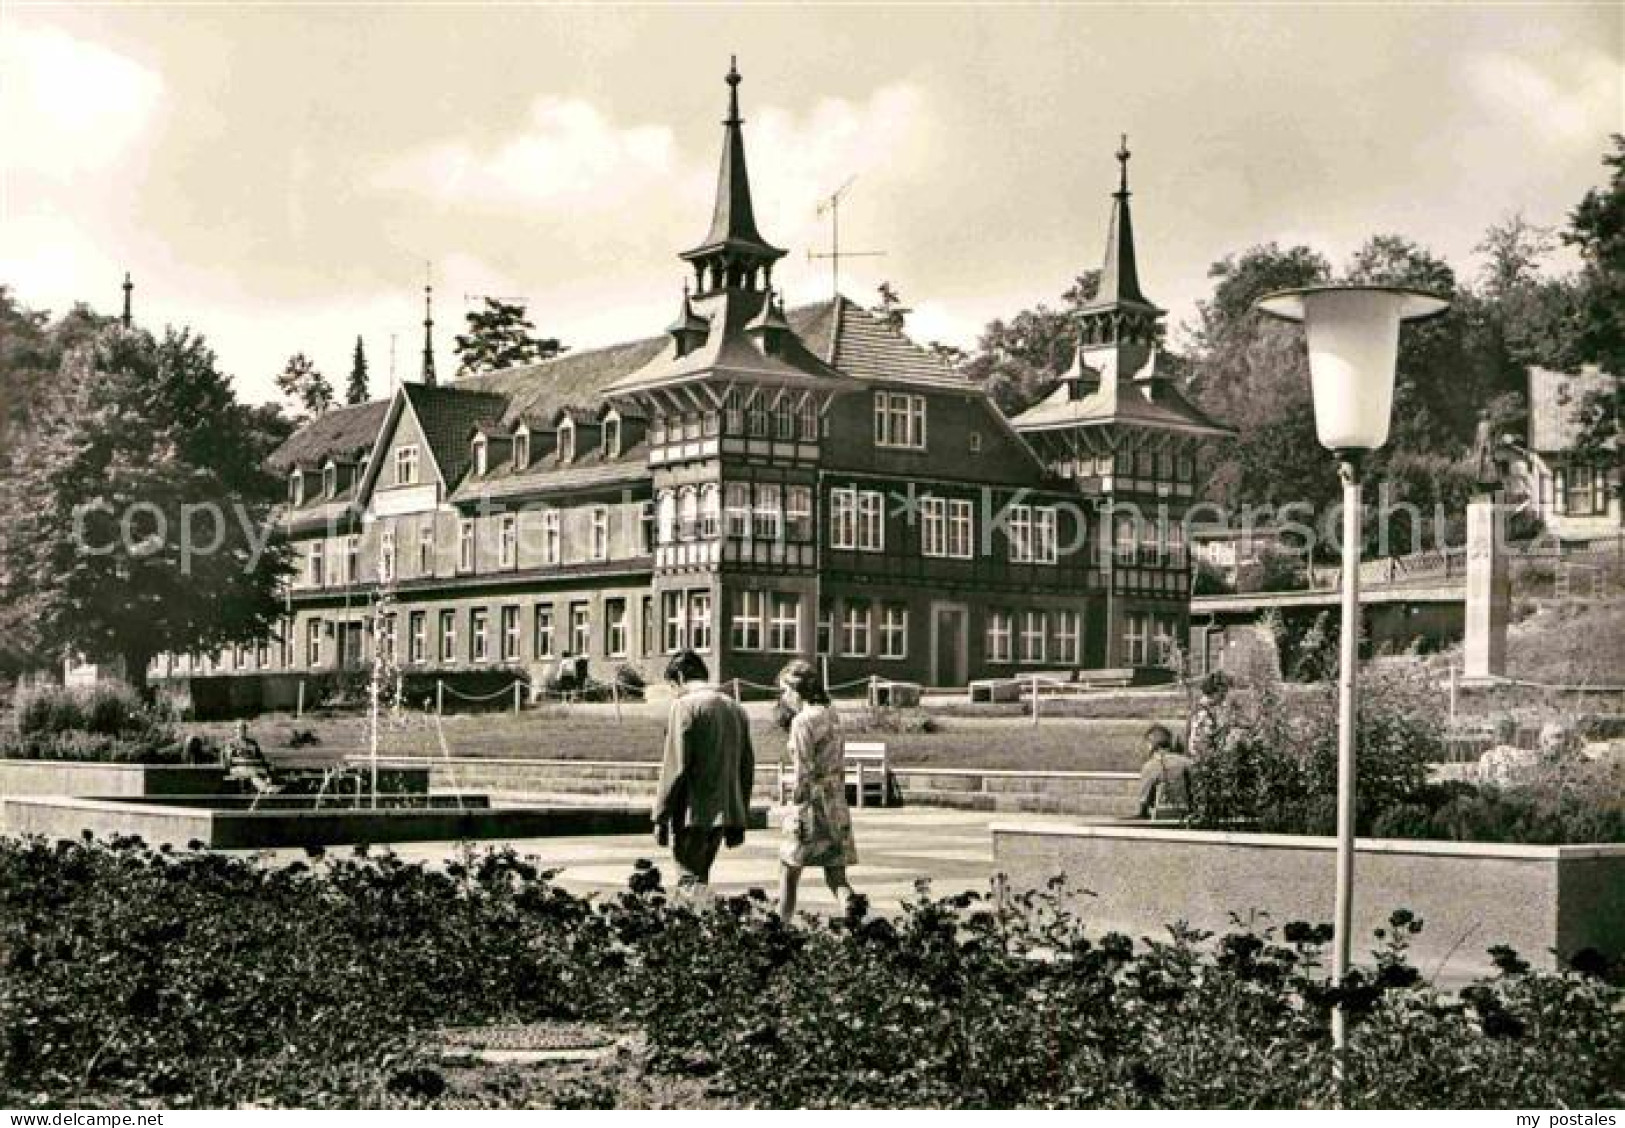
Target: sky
column 284, row 177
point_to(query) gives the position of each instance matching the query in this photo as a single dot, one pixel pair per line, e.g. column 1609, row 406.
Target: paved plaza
column 897, row 847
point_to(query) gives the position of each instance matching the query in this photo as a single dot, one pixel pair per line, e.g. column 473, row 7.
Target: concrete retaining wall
column 1535, row 899
column 59, row 777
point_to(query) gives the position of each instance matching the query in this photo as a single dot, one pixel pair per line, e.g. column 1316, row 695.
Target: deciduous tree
column 305, row 386
column 500, row 335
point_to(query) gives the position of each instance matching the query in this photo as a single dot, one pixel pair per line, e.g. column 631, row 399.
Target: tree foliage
column 500, row 335
column 309, row 390
column 356, row 391
column 1018, row 360
column 137, row 518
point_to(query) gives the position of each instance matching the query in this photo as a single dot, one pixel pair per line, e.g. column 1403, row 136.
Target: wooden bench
column 866, row 761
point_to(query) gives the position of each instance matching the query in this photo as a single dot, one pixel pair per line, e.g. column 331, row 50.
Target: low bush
column 897, row 720
column 140, row 977
column 1564, row 804
column 89, row 747
column 104, row 723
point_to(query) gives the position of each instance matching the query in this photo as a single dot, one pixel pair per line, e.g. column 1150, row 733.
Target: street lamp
column 1353, row 336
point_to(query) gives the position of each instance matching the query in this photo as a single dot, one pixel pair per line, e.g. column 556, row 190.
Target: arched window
column 689, row 514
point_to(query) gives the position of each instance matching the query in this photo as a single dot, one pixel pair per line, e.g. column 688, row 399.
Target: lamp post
column 1353, row 334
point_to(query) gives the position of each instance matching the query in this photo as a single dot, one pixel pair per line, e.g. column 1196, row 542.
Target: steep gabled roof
column 860, row 344
column 448, row 415
column 339, row 431
column 536, row 392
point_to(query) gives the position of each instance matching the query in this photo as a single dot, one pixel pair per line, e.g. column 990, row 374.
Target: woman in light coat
column 817, row 825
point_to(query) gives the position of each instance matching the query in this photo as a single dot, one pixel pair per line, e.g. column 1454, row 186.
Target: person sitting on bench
column 1165, row 786
column 246, row 761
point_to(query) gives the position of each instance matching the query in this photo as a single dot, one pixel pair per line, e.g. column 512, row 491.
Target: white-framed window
column 296, row 488
column 1068, row 634
column 352, row 559
column 933, row 526
column 448, row 636
column 313, row 643
column 406, row 465
column 465, row 544
column 784, row 420
column 688, row 513
column 600, row 532
column 390, row 639
column 479, row 627
column 615, row 634
column 511, row 637
column 1034, row 629
column 580, row 628
column 738, row 509
column 733, row 413
column 961, row 528
column 843, row 518
column 1151, row 534
column 426, row 550
column 521, row 449
column 551, row 540
column 417, row 641
column 798, row 512
column 313, row 565
column 756, row 416
column 666, row 518
column 871, row 521
column 710, row 511
column 482, row 456
column 386, row 556
column 809, row 420
column 1125, row 538
column 900, row 420
column 1020, row 532
column 1136, row 629
column 894, row 630
column 657, row 431
column 542, row 642
column 769, row 516
column 699, row 621
column 749, row 610
column 567, row 441
column 824, row 632
column 672, row 614
column 330, row 480
column 612, row 436
column 1046, row 534
column 1164, row 640
column 999, row 629
column 855, row 621
column 784, row 628
column 1178, row 556
column 508, row 540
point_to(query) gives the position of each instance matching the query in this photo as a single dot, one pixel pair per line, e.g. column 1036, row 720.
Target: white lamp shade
column 1353, row 336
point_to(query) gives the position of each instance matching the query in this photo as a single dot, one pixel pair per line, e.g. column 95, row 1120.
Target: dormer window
column 482, row 460
column 296, row 488
column 612, row 436
column 330, row 480
column 521, row 449
column 567, row 441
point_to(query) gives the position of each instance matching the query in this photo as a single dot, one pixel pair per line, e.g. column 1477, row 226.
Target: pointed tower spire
column 129, row 287
column 1120, row 278
column 428, row 335
column 733, row 254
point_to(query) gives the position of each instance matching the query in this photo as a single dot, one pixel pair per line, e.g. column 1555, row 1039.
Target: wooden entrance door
column 948, row 657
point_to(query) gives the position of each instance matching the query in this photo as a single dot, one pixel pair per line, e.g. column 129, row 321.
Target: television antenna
column 521, row 301
column 831, row 206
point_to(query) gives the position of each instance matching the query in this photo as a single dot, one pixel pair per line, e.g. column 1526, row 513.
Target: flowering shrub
column 133, row 976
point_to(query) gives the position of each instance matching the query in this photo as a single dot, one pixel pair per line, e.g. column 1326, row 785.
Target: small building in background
column 1576, row 496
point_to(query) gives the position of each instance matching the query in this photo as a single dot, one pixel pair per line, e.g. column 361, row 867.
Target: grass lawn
column 594, row 733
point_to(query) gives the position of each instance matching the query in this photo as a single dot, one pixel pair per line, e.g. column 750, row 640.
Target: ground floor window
column 544, row 643
column 1034, row 626
column 1000, row 628
column 699, row 621
column 417, row 645
column 784, row 629
column 390, row 653
column 313, row 643
column 448, row 636
column 479, row 621
column 1135, row 639
column 855, row 630
column 648, row 625
column 580, row 628
column 1068, row 632
column 510, row 633
column 1164, row 641
column 615, row 628
column 671, row 613
column 745, row 632
column 825, row 634
column 894, row 630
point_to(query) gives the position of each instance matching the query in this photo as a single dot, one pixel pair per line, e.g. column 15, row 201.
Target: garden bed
column 1547, row 902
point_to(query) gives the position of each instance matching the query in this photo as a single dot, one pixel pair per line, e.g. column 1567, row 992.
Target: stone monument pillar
column 1489, row 593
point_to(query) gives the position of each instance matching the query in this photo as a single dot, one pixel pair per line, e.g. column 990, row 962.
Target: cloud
column 68, row 106
column 569, row 154
column 1581, row 101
